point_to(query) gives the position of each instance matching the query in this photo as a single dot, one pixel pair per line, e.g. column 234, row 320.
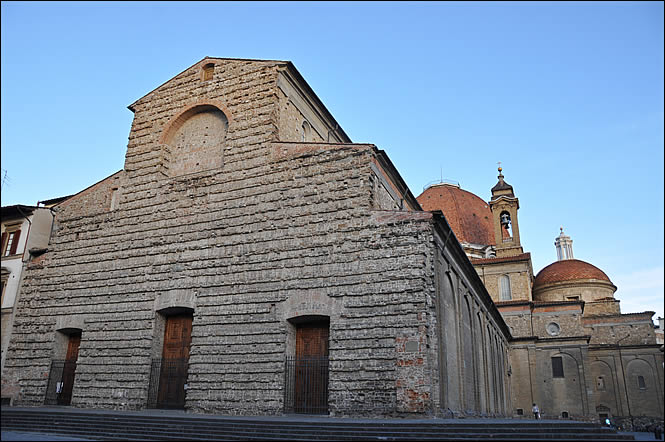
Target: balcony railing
column 306, row 385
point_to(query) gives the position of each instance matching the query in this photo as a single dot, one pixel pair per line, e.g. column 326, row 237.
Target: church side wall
column 473, row 370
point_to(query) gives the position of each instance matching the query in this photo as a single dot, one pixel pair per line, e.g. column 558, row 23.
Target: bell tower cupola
column 504, row 206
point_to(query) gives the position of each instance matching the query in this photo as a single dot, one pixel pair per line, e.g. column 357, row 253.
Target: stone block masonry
column 249, row 230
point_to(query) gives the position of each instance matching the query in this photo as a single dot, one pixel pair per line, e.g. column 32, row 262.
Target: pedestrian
column 536, row 411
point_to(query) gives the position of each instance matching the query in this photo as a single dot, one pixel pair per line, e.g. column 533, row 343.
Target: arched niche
column 196, row 139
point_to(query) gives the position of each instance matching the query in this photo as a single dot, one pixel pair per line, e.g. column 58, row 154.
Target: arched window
column 506, row 229
column 306, row 131
column 504, row 288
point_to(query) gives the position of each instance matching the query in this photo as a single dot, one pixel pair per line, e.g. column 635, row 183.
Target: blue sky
column 568, row 96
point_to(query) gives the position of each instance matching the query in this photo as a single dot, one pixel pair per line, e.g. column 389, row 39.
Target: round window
column 553, row 328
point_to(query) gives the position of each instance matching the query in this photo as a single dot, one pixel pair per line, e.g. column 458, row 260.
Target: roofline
column 19, row 208
column 441, row 224
column 87, row 188
column 132, row 106
column 526, row 256
column 54, row 201
column 16, row 211
column 22, row 206
column 404, row 189
column 291, row 68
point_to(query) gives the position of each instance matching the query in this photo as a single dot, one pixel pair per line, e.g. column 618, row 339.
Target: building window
column 564, row 415
column 557, row 367
column 520, row 412
column 506, row 229
column 10, row 241
column 640, row 383
column 208, row 70
column 553, row 329
column 114, row 198
column 3, row 283
column 505, row 293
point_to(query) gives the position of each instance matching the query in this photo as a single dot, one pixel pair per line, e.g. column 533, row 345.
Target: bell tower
column 504, row 206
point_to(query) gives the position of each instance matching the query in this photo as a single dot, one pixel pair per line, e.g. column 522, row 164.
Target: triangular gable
column 197, row 65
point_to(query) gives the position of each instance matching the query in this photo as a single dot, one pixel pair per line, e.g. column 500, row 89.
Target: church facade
column 572, row 351
column 250, row 259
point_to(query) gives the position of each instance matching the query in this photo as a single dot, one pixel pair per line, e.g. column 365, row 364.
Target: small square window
column 208, row 70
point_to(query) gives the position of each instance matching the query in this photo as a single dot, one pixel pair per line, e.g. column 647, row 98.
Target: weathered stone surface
column 251, row 229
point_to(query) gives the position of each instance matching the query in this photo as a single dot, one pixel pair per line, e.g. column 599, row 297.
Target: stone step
column 136, row 426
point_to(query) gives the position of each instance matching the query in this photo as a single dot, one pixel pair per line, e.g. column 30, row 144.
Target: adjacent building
column 25, row 235
column 573, row 352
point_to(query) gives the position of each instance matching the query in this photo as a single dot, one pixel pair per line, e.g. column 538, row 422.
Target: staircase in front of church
column 157, row 425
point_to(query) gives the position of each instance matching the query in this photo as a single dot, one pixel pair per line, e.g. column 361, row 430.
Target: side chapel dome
column 468, row 215
column 568, row 270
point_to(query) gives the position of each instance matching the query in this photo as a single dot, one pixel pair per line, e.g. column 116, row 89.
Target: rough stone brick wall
column 96, row 199
column 278, row 230
column 568, row 318
column 291, row 122
column 382, row 198
column 519, row 321
column 241, row 251
column 629, row 329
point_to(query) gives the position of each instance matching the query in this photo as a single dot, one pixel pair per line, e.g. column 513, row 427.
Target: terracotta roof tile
column 468, row 215
column 520, row 257
column 568, row 270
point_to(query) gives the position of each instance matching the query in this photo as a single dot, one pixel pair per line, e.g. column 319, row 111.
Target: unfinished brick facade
column 243, row 204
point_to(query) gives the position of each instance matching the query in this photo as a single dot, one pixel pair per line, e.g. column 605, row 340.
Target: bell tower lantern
column 504, row 206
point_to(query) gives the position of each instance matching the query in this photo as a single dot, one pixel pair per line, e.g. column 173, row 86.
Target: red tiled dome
column 469, row 216
column 568, row 270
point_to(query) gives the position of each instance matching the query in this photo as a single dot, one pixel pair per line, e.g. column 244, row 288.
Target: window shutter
column 2, row 242
column 17, row 235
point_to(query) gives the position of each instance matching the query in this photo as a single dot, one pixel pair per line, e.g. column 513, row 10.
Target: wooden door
column 311, row 371
column 175, row 360
column 69, row 369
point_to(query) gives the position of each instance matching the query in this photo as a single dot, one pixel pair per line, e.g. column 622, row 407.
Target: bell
column 505, row 219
